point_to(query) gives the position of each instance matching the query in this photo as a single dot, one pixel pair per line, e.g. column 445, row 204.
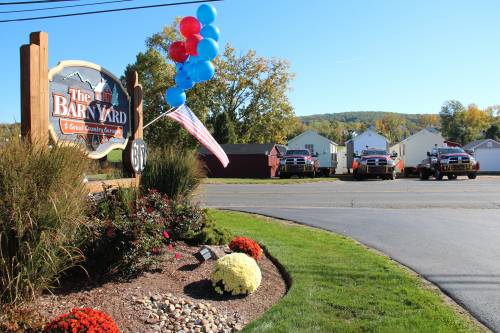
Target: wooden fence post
column 135, row 92
column 35, row 89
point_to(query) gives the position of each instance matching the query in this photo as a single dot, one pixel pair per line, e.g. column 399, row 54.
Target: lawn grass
column 340, row 286
column 115, row 156
column 266, row 180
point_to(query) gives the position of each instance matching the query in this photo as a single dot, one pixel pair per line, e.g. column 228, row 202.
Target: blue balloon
column 205, row 70
column 207, row 49
column 185, row 84
column 175, row 96
column 179, row 66
column 210, row 31
column 206, row 14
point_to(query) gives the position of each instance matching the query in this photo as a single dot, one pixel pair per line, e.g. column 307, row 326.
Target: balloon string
column 157, row 118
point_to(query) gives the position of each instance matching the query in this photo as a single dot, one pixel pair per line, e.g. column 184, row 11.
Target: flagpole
column 157, row 118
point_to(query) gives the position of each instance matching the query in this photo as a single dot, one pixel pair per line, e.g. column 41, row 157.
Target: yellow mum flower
column 236, row 273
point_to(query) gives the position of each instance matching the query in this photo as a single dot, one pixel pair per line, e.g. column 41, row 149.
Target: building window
column 310, row 147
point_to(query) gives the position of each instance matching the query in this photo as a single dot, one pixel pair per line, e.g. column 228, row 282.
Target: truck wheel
column 423, row 174
column 472, row 175
column 356, row 175
column 452, row 177
column 438, row 175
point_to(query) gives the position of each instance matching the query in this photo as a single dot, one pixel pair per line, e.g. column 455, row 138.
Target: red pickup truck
column 374, row 163
column 298, row 162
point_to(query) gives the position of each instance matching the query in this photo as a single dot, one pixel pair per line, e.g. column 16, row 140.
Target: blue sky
column 401, row 56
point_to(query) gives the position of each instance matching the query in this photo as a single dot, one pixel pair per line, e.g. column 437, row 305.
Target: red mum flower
column 246, row 245
column 178, row 256
column 166, row 235
column 82, row 320
column 110, row 232
column 170, row 247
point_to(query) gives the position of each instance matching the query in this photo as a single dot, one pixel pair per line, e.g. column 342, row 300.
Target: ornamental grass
column 42, row 205
column 176, row 173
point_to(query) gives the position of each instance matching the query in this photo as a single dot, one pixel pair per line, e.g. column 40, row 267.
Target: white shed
column 369, row 138
column 315, row 143
column 414, row 148
column 487, row 153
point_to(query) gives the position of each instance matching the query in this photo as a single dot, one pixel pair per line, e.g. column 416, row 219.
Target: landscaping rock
column 169, row 314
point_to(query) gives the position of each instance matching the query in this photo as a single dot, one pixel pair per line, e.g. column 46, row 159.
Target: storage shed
column 317, row 144
column 245, row 161
column 369, row 138
column 414, row 148
column 487, row 153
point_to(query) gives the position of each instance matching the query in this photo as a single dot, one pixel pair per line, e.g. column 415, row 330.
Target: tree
column 392, row 127
column 462, row 124
column 245, row 102
column 429, row 120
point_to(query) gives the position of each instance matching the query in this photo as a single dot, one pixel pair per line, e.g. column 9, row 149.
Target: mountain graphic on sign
column 80, row 76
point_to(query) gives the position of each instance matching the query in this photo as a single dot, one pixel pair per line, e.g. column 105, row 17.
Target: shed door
column 489, row 159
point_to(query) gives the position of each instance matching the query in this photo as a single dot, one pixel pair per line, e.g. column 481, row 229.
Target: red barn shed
column 250, row 160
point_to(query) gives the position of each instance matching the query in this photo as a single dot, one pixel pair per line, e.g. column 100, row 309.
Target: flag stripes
column 193, row 125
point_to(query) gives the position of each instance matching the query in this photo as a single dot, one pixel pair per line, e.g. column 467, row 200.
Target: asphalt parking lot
column 447, row 231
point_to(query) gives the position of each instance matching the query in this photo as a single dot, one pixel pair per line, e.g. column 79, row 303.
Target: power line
column 31, row 2
column 60, row 7
column 105, row 11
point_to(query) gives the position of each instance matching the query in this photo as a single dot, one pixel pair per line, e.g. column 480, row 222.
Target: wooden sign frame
column 35, row 105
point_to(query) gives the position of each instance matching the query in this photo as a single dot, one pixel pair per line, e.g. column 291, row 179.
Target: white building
column 325, row 148
column 368, row 139
column 414, row 148
column 487, row 153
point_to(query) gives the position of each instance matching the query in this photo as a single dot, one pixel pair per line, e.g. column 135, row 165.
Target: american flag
column 193, row 125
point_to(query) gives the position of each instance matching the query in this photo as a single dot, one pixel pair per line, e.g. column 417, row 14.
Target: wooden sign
column 82, row 103
column 89, row 106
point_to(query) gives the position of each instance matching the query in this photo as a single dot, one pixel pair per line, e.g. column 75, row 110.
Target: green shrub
column 209, row 234
column 172, row 172
column 125, row 234
column 42, row 205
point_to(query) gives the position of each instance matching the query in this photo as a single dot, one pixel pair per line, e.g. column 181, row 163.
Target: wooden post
column 35, row 89
column 134, row 89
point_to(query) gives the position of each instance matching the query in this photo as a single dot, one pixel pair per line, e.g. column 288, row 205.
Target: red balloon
column 192, row 43
column 177, row 51
column 189, row 26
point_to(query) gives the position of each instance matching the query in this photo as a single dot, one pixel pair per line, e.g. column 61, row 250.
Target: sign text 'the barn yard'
column 88, row 106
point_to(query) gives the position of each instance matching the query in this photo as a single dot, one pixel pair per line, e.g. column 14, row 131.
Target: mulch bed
column 185, row 278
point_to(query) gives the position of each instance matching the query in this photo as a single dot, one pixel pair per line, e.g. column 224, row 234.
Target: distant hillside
column 366, row 117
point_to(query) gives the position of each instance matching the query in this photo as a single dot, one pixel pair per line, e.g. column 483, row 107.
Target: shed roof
column 315, row 133
column 243, row 149
column 371, row 129
column 477, row 143
column 427, row 129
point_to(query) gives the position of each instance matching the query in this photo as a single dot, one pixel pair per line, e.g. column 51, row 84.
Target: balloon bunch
column 193, row 56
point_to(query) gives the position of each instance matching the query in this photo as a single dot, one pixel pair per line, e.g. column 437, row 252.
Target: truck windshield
column 297, row 152
column 373, row 152
column 451, row 150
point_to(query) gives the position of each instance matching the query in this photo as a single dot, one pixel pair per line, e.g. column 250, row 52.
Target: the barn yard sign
column 89, row 106
column 82, row 103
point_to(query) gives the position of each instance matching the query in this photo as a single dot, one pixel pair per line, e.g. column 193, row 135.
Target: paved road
column 447, row 231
